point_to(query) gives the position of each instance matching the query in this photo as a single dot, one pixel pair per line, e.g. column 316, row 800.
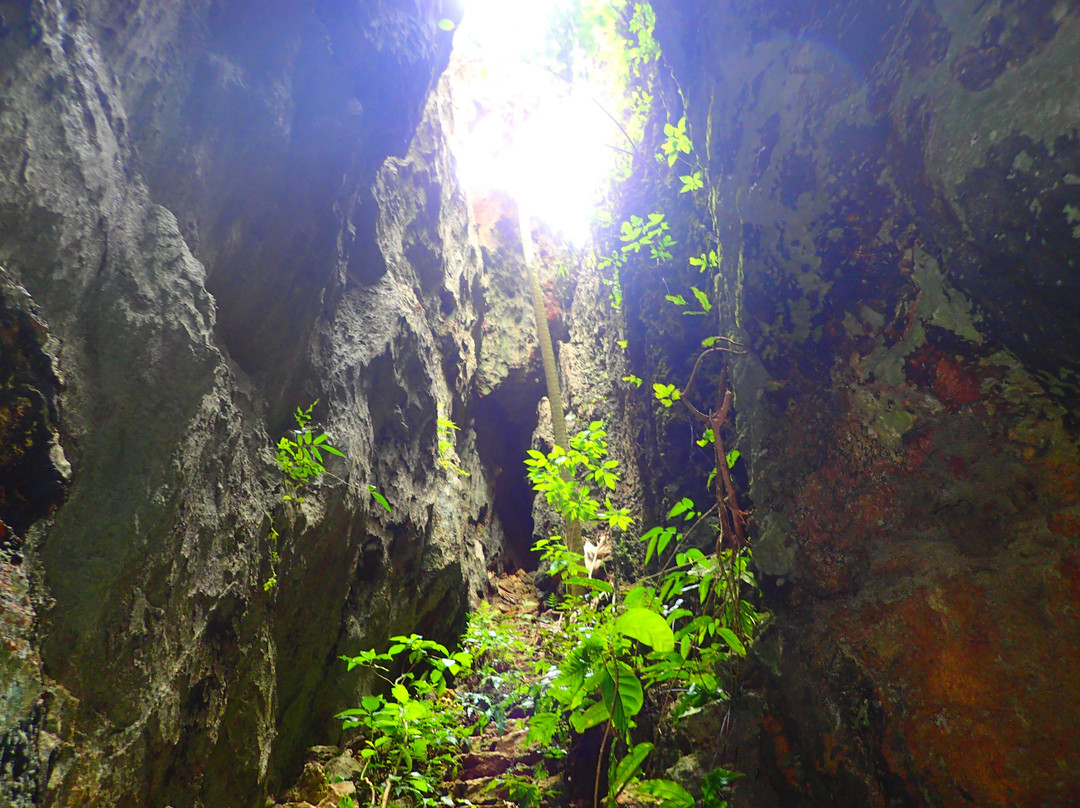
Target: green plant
column 709, row 260
column 665, row 642
column 378, row 497
column 647, row 49
column 275, row 558
column 300, row 460
column 448, row 458
column 577, row 482
column 410, row 737
column 665, row 639
column 523, row 790
column 651, row 232
column 636, row 234
column 300, row 457
column 691, row 182
column 676, row 142
column 666, row 394
column 715, row 782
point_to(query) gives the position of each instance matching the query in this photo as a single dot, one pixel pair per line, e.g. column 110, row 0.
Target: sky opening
column 523, row 129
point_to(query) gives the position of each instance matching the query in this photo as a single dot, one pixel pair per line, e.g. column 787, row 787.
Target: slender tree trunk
column 547, row 358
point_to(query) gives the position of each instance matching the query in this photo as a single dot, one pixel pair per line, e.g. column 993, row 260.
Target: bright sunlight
column 545, row 138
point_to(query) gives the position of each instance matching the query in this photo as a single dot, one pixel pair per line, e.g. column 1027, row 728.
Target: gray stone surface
column 193, row 197
column 894, row 184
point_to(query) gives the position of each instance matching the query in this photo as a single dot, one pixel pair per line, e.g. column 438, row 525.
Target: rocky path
column 498, row 768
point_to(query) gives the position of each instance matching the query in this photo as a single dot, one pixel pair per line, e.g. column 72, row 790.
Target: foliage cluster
column 664, row 642
column 582, row 494
column 448, row 458
column 410, row 738
column 300, row 457
column 662, row 645
column 300, row 460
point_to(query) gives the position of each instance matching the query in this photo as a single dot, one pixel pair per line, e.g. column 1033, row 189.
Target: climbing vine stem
column 547, row 357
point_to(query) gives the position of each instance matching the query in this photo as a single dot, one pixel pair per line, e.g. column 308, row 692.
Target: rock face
column 898, row 188
column 214, row 212
column 199, row 234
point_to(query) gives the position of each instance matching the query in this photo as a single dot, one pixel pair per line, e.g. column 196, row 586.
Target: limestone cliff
column 198, row 233
column 896, row 187
column 214, row 212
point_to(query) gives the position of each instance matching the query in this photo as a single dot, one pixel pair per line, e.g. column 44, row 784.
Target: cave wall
column 898, row 187
column 200, row 230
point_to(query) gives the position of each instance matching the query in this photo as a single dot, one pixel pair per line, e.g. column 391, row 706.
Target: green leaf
column 665, row 540
column 691, row 182
column 669, row 793
column 708, row 342
column 352, row 711
column 596, row 713
column 401, row 693
column 678, row 300
column 379, row 498
column 732, row 457
column 570, row 681
column 590, row 583
column 628, row 767
column 622, row 694
column 702, row 298
column 447, row 25
column 718, row 778
column 703, row 587
column 542, row 728
column 416, row 710
column 646, row 626
column 682, row 506
column 732, row 640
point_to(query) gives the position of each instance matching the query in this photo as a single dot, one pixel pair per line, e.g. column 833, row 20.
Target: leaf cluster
column 676, row 142
column 666, row 394
column 663, row 643
column 411, row 736
column 448, row 458
column 300, row 457
column 300, row 460
column 578, row 482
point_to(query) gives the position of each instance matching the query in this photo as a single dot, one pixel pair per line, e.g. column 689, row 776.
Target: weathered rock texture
column 198, row 233
column 899, row 186
column 200, row 230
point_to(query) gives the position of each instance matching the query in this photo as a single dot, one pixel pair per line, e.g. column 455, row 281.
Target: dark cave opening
column 504, row 422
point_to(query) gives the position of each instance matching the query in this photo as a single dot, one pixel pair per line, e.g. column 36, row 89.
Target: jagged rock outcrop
column 200, row 230
column 194, row 202
column 897, row 188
